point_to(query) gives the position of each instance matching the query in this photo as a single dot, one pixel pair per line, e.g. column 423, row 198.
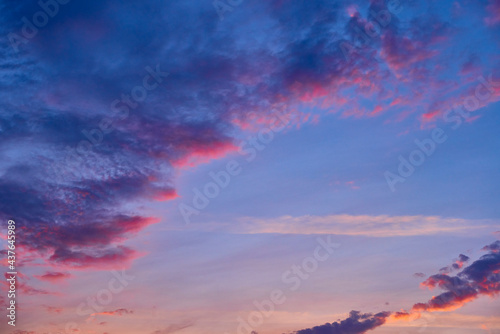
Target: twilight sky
column 229, row 166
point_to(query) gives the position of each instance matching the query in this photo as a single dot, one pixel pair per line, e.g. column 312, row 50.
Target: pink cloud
column 53, row 276
column 119, row 312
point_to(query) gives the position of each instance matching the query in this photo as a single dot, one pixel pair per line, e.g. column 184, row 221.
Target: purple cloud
column 356, row 323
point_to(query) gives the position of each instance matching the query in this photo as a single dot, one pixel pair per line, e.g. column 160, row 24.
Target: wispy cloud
column 118, row 312
column 353, row 225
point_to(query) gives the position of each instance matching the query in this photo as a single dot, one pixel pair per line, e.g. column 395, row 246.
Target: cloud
column 459, row 293
column 29, row 290
column 355, row 225
column 115, row 257
column 53, row 276
column 459, row 263
column 494, row 247
column 118, row 312
column 482, row 277
column 87, row 245
column 52, row 309
column 175, row 328
column 356, row 323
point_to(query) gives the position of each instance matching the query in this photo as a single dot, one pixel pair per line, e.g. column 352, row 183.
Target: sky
column 251, row 167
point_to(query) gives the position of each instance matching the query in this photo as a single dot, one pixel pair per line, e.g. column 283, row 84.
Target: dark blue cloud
column 356, row 323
